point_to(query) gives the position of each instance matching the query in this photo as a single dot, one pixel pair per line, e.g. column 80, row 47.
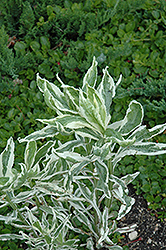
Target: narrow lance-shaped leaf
column 89, row 133
column 89, row 112
column 90, row 77
column 104, row 230
column 7, row 159
column 102, row 171
column 54, row 97
column 68, row 121
column 41, row 153
column 48, row 131
column 30, row 152
column 4, row 237
column 125, row 208
column 72, row 96
column 90, row 197
column 83, row 218
column 98, row 102
column 140, row 148
column 107, row 88
column 142, row 133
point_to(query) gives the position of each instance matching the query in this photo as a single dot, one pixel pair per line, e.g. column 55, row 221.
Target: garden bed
column 151, row 230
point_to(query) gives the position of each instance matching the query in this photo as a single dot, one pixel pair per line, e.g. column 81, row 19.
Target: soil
column 151, row 230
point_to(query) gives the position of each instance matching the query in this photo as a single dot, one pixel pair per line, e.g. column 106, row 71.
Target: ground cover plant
column 67, row 189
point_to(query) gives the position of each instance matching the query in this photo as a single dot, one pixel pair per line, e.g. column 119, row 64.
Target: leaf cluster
column 71, row 187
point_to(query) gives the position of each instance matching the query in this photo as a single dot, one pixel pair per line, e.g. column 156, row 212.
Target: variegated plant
column 71, row 188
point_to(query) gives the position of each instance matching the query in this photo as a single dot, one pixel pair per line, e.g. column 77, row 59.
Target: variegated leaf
column 98, row 102
column 89, row 112
column 72, row 97
column 30, row 152
column 107, row 89
column 54, row 97
column 104, row 229
column 88, row 222
column 48, row 131
column 41, row 153
column 90, row 77
column 89, row 133
column 127, row 229
column 68, row 121
column 90, row 197
column 4, row 237
column 103, row 174
column 140, row 148
column 125, row 208
column 7, row 159
column 129, row 178
column 142, row 133
column 133, row 118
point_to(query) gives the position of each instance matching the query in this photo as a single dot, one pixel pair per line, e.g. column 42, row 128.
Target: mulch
column 151, row 230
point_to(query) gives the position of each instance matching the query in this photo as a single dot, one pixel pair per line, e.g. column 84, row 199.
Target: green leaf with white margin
column 129, row 178
column 51, row 189
column 29, row 154
column 125, row 208
column 68, row 121
column 127, row 229
column 78, row 167
column 103, row 175
column 89, row 112
column 71, row 94
column 142, row 133
column 114, row 136
column 89, row 133
column 107, row 88
column 22, row 196
column 140, row 148
column 7, row 159
column 71, row 145
column 104, row 229
column 90, row 77
column 90, row 197
column 41, row 153
column 71, row 156
column 120, row 192
column 54, row 97
column 4, row 237
column 83, row 218
column 132, row 119
column 48, row 131
column 98, row 102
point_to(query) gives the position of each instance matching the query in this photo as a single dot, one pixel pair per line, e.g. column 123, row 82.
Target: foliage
column 50, row 37
column 150, row 183
column 69, row 188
